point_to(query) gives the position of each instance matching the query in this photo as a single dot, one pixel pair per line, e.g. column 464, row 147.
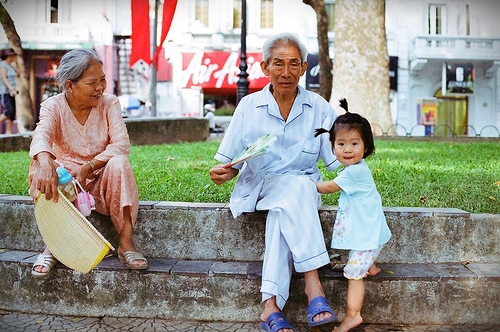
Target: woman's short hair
column 73, row 64
column 283, row 39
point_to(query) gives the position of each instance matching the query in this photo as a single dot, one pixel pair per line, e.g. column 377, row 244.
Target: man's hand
column 220, row 174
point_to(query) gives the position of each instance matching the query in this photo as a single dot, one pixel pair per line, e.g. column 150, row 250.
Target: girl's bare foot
column 373, row 270
column 348, row 323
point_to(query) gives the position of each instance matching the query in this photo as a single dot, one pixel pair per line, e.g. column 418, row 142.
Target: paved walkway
column 21, row 322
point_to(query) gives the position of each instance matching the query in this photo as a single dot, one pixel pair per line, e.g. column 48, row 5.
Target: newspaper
column 256, row 149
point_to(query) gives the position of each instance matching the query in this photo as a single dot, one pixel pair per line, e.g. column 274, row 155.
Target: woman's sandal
column 129, row 256
column 47, row 261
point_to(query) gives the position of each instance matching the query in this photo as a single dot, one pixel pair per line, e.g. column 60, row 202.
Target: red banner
column 219, row 70
column 140, row 37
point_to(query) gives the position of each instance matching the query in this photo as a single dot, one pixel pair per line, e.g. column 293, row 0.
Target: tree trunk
column 361, row 62
column 324, row 61
column 24, row 111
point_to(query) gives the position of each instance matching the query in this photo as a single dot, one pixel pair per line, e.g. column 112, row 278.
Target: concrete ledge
column 185, row 230
column 229, row 291
column 15, row 142
column 146, row 131
column 152, row 131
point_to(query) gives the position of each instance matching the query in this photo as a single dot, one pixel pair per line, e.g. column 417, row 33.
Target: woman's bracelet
column 91, row 165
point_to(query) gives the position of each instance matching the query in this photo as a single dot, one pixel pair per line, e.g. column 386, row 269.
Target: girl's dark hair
column 352, row 121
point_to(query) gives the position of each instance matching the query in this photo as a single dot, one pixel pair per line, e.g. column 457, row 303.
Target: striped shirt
column 296, row 151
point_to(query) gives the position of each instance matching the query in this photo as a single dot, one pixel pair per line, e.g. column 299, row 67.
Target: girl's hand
column 327, row 187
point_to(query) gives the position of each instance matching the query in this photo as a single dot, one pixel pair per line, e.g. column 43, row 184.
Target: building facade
column 444, row 54
column 448, row 58
column 49, row 28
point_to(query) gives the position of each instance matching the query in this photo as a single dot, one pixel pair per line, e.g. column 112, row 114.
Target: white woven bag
column 71, row 238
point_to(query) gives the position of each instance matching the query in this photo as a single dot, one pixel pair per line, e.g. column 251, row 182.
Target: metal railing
column 488, row 131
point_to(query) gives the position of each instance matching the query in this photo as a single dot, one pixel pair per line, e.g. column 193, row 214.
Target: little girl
column 360, row 225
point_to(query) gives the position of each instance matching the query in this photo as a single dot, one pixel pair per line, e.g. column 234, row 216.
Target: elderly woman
column 82, row 128
column 282, row 181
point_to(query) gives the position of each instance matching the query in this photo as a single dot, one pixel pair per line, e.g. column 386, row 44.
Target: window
column 436, row 19
column 54, row 8
column 266, row 14
column 202, row 12
column 236, row 14
column 53, row 11
column 330, row 12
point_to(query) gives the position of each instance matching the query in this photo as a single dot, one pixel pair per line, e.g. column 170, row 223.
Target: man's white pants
column 294, row 238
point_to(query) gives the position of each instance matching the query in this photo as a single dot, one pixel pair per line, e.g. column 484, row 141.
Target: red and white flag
column 168, row 15
column 141, row 46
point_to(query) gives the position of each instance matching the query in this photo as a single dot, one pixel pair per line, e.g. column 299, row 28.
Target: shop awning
column 217, row 72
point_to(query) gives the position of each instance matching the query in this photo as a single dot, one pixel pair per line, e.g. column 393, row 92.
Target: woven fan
column 71, row 238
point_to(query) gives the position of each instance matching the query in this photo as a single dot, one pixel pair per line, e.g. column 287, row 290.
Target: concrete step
column 442, row 266
column 208, row 231
column 212, row 290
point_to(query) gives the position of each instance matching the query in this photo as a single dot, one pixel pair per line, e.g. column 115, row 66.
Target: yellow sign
column 427, row 111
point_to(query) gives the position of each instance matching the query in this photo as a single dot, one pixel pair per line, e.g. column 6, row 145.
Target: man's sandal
column 275, row 322
column 319, row 305
column 129, row 256
column 47, row 261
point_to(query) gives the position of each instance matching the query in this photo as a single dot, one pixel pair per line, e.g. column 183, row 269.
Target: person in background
column 360, row 224
column 8, row 88
column 282, row 181
column 82, row 128
column 208, row 113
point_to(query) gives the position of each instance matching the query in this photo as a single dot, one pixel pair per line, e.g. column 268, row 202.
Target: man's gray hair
column 283, row 39
column 72, row 66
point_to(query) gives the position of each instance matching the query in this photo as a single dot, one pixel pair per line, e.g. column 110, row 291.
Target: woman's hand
column 82, row 173
column 47, row 177
column 220, row 174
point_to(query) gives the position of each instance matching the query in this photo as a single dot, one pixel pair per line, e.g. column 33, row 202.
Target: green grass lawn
column 409, row 173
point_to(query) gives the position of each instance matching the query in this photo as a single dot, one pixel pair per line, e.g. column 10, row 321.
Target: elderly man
column 282, row 181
